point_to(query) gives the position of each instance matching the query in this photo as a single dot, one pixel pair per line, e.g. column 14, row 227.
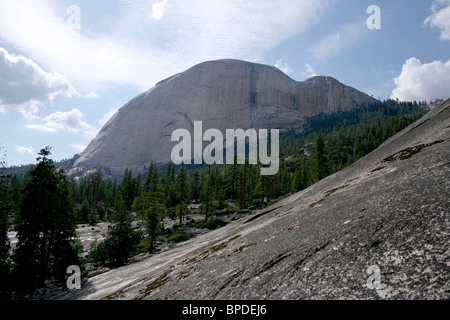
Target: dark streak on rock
column 409, row 152
column 270, row 264
column 261, row 214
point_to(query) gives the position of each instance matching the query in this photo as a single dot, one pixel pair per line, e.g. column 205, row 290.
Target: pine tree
column 150, row 205
column 242, row 183
column 319, row 158
column 111, row 191
column 5, row 267
column 195, row 186
column 296, row 181
column 252, row 182
column 128, row 188
column 182, row 190
column 121, row 241
column 5, row 209
column 96, row 191
column 45, row 227
column 231, row 179
column 169, row 186
column 261, row 188
column 207, row 193
column 84, row 211
column 221, row 200
column 93, row 217
column 304, row 175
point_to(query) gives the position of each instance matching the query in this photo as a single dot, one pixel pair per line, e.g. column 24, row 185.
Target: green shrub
column 93, row 217
column 98, row 253
column 180, row 236
column 229, row 209
column 143, row 245
column 211, row 224
column 172, row 213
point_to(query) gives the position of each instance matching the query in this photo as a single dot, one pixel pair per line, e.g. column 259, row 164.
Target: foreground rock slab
column 376, row 230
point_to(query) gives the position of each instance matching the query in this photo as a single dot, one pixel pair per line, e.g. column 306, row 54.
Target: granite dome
column 224, row 94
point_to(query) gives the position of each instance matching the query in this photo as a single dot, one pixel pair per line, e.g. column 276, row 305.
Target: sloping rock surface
column 224, row 94
column 376, row 230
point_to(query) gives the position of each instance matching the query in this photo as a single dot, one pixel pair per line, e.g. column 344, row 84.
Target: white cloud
column 28, row 150
column 36, row 28
column 440, row 18
column 420, row 82
column 93, row 95
column 310, row 72
column 239, row 29
column 283, row 66
column 336, row 42
column 24, row 85
column 141, row 53
column 62, row 121
column 40, row 127
column 158, row 10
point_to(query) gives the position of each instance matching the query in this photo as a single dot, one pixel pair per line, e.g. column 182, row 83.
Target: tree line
column 45, row 205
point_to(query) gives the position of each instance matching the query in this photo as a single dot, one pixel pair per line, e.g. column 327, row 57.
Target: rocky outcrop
column 224, row 94
column 377, row 230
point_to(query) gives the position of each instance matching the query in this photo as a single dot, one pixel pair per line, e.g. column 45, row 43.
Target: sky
column 67, row 66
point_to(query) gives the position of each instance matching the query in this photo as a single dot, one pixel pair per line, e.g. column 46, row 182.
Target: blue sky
column 66, row 66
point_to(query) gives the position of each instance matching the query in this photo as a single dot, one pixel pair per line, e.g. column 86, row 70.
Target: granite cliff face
column 224, row 94
column 378, row 229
